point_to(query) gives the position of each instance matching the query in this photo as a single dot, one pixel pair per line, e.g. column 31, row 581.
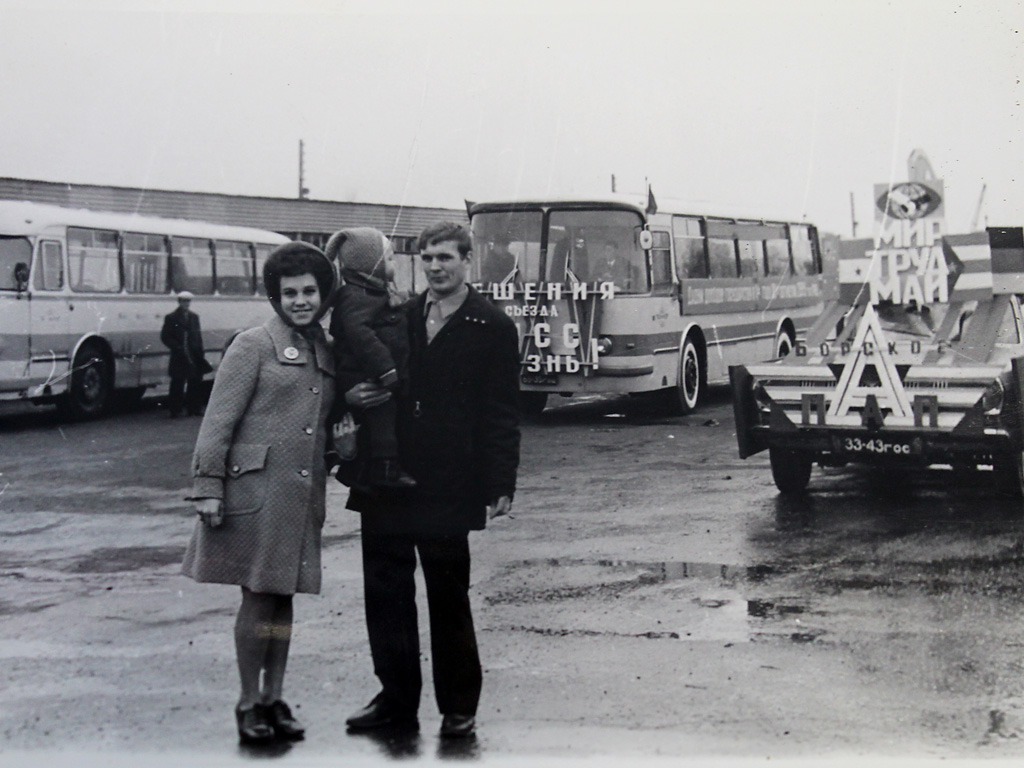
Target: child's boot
column 388, row 473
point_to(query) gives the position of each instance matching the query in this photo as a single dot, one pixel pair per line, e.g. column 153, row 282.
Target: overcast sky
column 779, row 109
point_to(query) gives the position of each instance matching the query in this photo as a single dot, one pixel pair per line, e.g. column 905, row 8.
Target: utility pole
column 613, row 182
column 303, row 192
column 853, row 216
column 977, row 211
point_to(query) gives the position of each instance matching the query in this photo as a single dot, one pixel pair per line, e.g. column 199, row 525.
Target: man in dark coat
column 187, row 365
column 458, row 432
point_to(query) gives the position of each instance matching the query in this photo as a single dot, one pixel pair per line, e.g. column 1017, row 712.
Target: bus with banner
column 919, row 363
column 619, row 294
column 83, row 295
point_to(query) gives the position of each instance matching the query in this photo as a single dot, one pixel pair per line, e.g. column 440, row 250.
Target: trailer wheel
column 693, row 379
column 791, row 470
column 90, row 384
column 1012, row 471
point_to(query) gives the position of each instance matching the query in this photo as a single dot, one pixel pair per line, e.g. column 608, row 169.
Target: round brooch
column 291, row 353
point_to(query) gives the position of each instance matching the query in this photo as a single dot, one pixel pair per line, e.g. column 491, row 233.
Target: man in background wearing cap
column 181, row 334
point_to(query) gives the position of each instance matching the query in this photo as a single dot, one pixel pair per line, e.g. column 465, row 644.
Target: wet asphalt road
column 652, row 596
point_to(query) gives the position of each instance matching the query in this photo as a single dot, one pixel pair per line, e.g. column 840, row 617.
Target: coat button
column 309, row 430
column 304, row 472
column 235, row 468
column 315, row 390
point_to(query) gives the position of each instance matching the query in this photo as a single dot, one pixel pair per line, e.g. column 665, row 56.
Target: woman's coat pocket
column 245, row 486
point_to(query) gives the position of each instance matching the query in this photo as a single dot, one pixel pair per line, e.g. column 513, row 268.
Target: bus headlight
column 604, row 345
column 992, row 400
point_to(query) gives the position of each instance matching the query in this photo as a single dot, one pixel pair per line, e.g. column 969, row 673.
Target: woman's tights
column 263, row 632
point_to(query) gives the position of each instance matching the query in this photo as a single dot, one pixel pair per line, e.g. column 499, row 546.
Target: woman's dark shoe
column 285, row 726
column 253, row 726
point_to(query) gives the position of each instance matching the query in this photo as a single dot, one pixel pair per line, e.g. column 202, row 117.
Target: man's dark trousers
column 389, row 564
column 185, row 392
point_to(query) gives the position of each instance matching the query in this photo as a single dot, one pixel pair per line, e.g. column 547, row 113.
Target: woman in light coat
column 259, row 479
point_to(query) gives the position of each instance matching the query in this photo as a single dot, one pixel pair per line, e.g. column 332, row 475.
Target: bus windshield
column 585, row 245
column 597, row 246
column 13, row 251
column 507, row 243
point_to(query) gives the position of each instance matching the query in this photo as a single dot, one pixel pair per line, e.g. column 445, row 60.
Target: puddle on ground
column 765, row 609
column 118, row 559
column 720, row 612
column 335, row 539
column 664, row 570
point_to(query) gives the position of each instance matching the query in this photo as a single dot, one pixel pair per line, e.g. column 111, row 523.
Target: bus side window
column 50, row 267
column 689, row 241
column 722, row 257
column 751, row 258
column 262, row 252
column 191, row 265
column 234, row 268
column 94, row 260
column 778, row 257
column 661, row 260
column 803, row 253
column 145, row 263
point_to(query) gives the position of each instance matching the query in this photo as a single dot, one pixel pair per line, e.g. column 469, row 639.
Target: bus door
column 51, row 309
column 15, row 333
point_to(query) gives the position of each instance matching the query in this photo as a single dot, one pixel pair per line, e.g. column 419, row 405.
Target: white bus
column 619, row 295
column 83, row 295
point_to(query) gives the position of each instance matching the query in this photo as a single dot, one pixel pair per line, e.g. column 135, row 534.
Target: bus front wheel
column 791, row 470
column 90, row 384
column 693, row 377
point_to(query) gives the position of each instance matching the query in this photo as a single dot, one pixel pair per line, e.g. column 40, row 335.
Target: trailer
column 919, row 363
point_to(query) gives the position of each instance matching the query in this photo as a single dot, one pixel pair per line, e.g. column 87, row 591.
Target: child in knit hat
column 371, row 341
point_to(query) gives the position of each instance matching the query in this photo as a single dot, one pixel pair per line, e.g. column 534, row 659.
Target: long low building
column 299, row 219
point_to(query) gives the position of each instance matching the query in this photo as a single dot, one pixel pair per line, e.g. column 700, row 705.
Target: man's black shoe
column 458, row 726
column 379, row 713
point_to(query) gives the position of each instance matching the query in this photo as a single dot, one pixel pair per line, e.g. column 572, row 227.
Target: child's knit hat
column 360, row 249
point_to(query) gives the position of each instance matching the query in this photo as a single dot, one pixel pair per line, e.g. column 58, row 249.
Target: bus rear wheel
column 791, row 470
column 89, row 392
column 692, row 380
column 784, row 343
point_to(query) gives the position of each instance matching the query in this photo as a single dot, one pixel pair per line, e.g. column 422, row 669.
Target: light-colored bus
column 620, row 295
column 83, row 295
